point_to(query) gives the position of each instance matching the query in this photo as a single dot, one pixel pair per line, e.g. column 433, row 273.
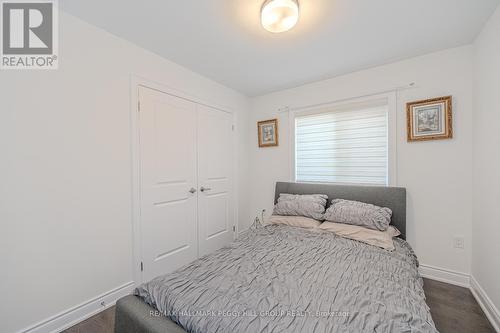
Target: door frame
column 135, row 83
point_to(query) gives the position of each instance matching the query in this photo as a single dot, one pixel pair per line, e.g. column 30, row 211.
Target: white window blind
column 349, row 146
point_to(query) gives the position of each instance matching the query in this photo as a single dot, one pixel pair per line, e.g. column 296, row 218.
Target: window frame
column 390, row 99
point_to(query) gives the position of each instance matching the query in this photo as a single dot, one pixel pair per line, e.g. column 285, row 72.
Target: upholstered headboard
column 391, row 197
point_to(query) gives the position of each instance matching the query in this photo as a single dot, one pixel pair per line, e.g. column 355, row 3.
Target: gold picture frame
column 268, row 133
column 429, row 119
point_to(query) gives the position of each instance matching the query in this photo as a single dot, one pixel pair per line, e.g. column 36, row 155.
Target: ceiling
column 223, row 39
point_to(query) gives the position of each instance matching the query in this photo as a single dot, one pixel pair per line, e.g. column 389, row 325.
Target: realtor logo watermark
column 29, row 34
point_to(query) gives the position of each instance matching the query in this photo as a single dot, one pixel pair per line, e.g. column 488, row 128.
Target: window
column 348, row 145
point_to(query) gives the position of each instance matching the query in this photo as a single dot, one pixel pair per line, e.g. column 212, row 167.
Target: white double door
column 186, row 192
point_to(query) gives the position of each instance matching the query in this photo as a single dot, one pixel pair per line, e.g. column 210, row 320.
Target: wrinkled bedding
column 280, row 278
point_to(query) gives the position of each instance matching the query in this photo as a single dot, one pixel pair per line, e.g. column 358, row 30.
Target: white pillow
column 377, row 238
column 294, row 221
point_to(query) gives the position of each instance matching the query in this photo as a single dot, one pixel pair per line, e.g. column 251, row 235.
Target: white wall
column 65, row 193
column 437, row 174
column 486, row 218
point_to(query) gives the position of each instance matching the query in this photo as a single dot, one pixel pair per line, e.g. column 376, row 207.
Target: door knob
column 192, row 190
column 203, row 189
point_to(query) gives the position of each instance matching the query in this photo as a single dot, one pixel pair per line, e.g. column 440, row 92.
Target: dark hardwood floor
column 103, row 322
column 453, row 309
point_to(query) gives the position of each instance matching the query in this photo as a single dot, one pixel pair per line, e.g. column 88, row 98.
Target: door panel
column 215, row 168
column 168, row 154
column 216, row 215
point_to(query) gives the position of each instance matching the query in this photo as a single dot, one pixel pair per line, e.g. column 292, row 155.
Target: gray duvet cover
column 285, row 279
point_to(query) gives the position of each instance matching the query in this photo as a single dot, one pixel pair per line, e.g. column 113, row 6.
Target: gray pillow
column 308, row 205
column 359, row 213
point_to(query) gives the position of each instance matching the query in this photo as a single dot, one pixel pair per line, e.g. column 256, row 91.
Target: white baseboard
column 74, row 315
column 445, row 275
column 490, row 310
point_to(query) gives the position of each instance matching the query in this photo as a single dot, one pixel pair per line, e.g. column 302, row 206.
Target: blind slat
column 344, row 147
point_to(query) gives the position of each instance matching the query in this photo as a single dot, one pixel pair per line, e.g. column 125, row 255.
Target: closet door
column 215, row 171
column 168, row 156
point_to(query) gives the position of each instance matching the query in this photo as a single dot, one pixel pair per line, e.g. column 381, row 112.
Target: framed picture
column 429, row 119
column 268, row 133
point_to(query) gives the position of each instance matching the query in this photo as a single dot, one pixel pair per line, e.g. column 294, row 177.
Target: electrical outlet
column 458, row 242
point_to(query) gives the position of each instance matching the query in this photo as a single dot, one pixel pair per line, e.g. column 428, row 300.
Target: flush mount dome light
column 279, row 15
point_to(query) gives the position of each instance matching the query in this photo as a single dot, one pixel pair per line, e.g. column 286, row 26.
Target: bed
column 279, row 278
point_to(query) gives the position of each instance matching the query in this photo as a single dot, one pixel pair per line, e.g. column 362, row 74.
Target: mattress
column 280, row 278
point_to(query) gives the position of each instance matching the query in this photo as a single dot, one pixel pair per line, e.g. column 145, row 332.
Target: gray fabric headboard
column 391, row 197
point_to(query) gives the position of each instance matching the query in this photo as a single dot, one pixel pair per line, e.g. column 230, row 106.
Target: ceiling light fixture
column 279, row 15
